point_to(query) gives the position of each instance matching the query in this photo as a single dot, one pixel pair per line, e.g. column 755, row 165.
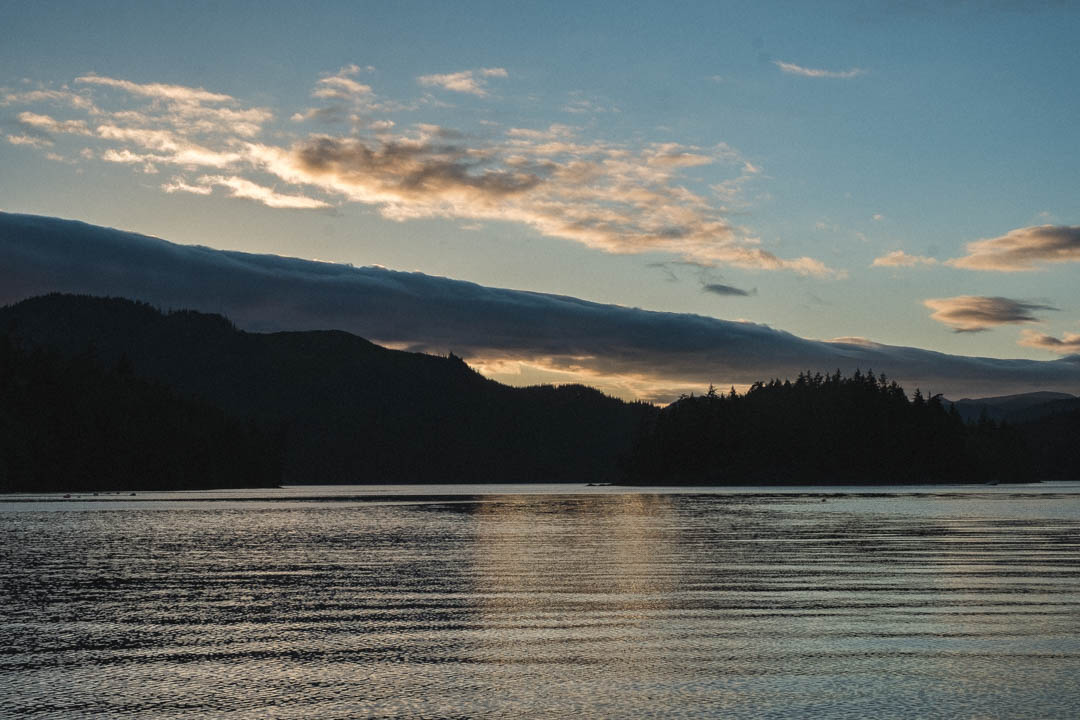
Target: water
column 514, row 601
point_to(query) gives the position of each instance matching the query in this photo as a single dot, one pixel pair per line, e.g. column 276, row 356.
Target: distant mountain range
column 1021, row 408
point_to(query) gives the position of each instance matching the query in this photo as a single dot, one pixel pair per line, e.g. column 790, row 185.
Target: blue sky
column 904, row 172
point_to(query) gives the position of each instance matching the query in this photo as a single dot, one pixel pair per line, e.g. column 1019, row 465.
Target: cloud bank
column 974, row 313
column 623, row 350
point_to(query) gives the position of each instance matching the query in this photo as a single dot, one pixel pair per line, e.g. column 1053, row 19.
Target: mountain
column 345, row 409
column 1023, row 407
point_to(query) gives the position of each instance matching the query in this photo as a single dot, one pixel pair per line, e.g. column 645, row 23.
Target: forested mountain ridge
column 106, row 392
column 346, row 410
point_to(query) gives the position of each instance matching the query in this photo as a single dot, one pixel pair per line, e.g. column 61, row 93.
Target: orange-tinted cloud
column 1023, row 249
column 1069, row 344
column 973, row 313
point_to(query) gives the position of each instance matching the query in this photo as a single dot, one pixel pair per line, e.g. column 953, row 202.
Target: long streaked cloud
column 1023, row 249
column 726, row 290
column 899, row 258
column 793, row 69
column 239, row 187
column 472, row 82
column 48, row 124
column 614, row 197
column 1069, row 344
column 975, row 313
column 63, row 96
column 621, row 349
column 160, row 91
column 34, row 141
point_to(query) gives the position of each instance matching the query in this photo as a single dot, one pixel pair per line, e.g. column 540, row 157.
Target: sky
column 903, row 174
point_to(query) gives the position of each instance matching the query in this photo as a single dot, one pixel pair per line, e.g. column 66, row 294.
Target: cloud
column 1023, row 249
column 613, row 197
column 1067, row 345
column 47, row 124
column 622, row 349
column 973, row 313
column 720, row 289
column 56, row 97
column 605, row 197
column 179, row 185
column 793, row 69
column 899, row 258
column 473, row 82
column 33, row 141
column 578, row 104
column 188, row 110
column 341, row 86
column 241, row 188
column 159, row 91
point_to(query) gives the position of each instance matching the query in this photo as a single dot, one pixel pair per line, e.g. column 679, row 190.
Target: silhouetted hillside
column 68, row 422
column 830, row 429
column 346, row 409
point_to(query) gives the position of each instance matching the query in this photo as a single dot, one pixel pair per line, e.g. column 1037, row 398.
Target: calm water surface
column 504, row 601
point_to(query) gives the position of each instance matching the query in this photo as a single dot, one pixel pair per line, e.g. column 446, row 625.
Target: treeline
column 861, row 429
column 70, row 423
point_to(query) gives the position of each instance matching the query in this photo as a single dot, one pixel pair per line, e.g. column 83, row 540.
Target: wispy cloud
column 239, row 187
column 178, row 185
column 899, row 258
column 974, row 313
column 48, row 124
column 793, row 69
column 626, row 350
column 34, row 141
column 63, row 96
column 161, row 91
column 341, row 85
column 190, row 111
column 473, row 82
column 1069, row 344
column 579, row 104
column 1023, row 249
